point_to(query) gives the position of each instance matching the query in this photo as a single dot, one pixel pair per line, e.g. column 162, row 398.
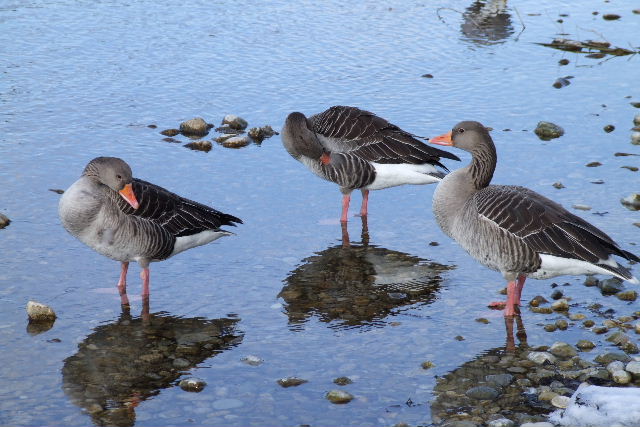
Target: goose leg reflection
column 345, row 235
column 521, row 332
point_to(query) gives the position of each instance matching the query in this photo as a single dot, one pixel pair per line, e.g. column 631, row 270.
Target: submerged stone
column 339, row 396
column 291, row 382
column 562, row 349
column 196, row 127
column 235, row 122
column 548, row 130
column 482, row 393
column 342, row 381
column 192, row 384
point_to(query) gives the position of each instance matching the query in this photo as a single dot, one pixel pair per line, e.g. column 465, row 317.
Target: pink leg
column 513, row 299
column 519, row 287
column 144, row 275
column 122, row 284
column 345, row 207
column 365, row 202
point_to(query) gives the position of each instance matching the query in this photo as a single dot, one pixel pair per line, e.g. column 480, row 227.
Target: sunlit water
column 83, row 79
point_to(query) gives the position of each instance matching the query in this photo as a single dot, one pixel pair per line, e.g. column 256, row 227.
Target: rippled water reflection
column 83, row 79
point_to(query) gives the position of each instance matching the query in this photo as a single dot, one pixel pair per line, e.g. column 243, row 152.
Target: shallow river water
column 81, row 79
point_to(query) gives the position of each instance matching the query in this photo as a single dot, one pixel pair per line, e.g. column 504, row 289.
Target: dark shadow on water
column 486, row 22
column 358, row 285
column 127, row 361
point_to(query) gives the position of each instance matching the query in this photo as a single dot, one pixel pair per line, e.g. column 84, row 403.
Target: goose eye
column 119, row 176
column 460, row 130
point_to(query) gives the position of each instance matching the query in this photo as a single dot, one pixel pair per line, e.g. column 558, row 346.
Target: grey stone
column 591, row 281
column 501, row 380
column 606, row 358
column 548, row 130
column 192, row 384
column 610, row 286
column 501, row 422
column 4, row 221
column 631, row 202
column 261, row 133
column 560, row 401
column 541, row 357
column 585, row 345
column 618, row 338
column 236, row 141
column 202, row 145
column 562, row 349
column 635, row 138
column 196, row 127
column 616, row 365
column 291, row 382
column 482, row 392
column 181, row 363
column 234, row 121
column 39, row 312
column 621, row 377
column 339, row 396
column 633, row 368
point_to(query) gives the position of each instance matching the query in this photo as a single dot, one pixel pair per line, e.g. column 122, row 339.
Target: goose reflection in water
column 486, row 22
column 358, row 284
column 125, row 362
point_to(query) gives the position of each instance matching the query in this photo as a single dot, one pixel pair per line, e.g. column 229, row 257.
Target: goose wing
column 175, row 214
column 544, row 225
column 372, row 138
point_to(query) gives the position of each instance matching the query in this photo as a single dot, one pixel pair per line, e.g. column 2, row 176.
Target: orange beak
column 127, row 194
column 444, row 139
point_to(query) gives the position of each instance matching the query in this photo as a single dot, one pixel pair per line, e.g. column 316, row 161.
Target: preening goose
column 515, row 230
column 128, row 219
column 358, row 150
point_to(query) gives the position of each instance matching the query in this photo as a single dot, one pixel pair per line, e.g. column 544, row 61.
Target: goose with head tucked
column 513, row 229
column 128, row 219
column 356, row 149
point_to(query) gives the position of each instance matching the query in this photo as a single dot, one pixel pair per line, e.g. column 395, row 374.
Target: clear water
column 82, row 79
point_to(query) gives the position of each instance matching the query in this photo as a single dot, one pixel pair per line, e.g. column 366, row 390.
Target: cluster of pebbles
column 520, row 386
column 232, row 130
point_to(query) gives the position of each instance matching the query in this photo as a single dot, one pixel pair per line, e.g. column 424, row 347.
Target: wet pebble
column 562, row 82
column 550, row 327
column 196, row 127
column 560, row 401
column 577, row 316
column 558, row 185
column 636, row 120
column 339, row 396
column 632, row 202
column 548, row 130
column 606, row 358
column 236, row 141
column 261, row 133
column 482, row 320
column 252, row 360
column 593, row 164
column 234, row 122
column 501, row 422
column 582, row 207
column 291, row 382
column 562, row 349
column 170, row 132
column 610, row 286
column 427, row 364
column 537, row 301
column 556, row 294
column 563, row 61
column 560, row 305
column 635, row 138
column 585, row 345
column 202, row 145
column 633, row 368
column 610, row 16
column 616, row 365
column 630, row 295
column 609, row 128
column 562, row 324
column 170, row 139
column 621, row 377
column 591, row 281
column 631, row 168
column 542, row 310
column 4, row 221
column 541, row 357
column 635, row 104
column 501, row 380
column 482, row 392
column 181, row 363
column 427, row 76
column 38, row 312
column 342, row 381
column 192, row 384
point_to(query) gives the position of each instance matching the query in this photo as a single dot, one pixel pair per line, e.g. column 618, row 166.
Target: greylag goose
column 515, row 230
column 128, row 219
column 358, row 150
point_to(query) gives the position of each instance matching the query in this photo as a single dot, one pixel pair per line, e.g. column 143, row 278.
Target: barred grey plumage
column 160, row 225
column 515, row 230
column 358, row 150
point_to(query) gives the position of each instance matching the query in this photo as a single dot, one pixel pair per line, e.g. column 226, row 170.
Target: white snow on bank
column 594, row 406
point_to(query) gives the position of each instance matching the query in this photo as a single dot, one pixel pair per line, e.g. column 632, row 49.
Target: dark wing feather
column 372, row 138
column 544, row 225
column 177, row 215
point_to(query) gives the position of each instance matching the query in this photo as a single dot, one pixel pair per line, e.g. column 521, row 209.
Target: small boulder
column 562, row 349
column 482, row 393
column 38, row 312
column 585, row 345
column 632, row 202
column 261, row 133
column 4, row 221
column 195, row 127
column 339, row 396
column 192, row 384
column 547, row 131
column 170, row 132
column 560, row 305
column 291, row 382
column 630, row 295
column 342, row 381
column 236, row 141
column 621, row 377
column 635, row 138
column 201, row 145
column 234, row 122
column 541, row 357
column 610, row 286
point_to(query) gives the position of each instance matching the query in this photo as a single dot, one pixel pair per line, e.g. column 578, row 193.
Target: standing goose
column 128, row 219
column 515, row 230
column 358, row 150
